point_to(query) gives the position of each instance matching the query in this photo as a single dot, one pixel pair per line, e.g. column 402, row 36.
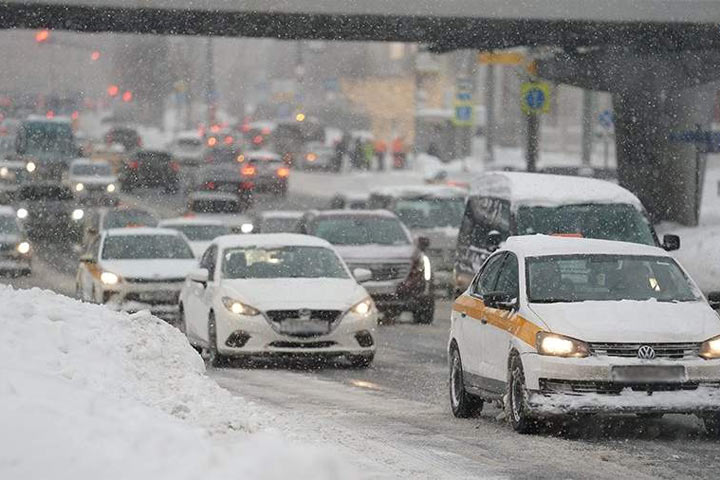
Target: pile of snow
column 87, row 393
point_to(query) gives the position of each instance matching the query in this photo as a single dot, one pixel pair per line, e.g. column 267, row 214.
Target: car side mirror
column 500, row 300
column 87, row 258
column 200, row 275
column 671, row 242
column 362, row 275
column 423, row 243
column 493, row 240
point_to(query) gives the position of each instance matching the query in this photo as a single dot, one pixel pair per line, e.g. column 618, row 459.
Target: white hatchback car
column 93, row 181
column 278, row 294
column 132, row 269
column 569, row 325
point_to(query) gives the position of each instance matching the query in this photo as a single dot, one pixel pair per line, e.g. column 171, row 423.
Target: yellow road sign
column 501, row 58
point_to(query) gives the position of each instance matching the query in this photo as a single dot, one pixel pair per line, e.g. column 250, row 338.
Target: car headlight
column 239, row 308
column 427, row 268
column 110, row 188
column 4, row 172
column 79, row 187
column 78, row 214
column 247, row 228
column 22, row 213
column 23, row 247
column 710, row 348
column 560, row 346
column 109, row 278
column 30, row 166
column 363, row 308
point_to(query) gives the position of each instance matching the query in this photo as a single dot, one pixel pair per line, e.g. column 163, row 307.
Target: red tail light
column 175, row 166
column 210, row 185
column 283, row 172
column 133, row 165
column 258, row 139
column 248, row 170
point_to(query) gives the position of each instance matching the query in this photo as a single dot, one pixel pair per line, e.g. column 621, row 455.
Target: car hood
column 157, row 269
column 295, row 293
column 375, row 253
column 440, row 238
column 631, row 321
column 93, row 180
column 226, row 218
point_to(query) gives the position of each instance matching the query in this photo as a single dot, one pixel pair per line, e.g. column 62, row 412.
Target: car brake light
column 210, row 185
column 133, row 165
column 248, row 170
column 257, row 139
column 175, row 166
column 283, row 172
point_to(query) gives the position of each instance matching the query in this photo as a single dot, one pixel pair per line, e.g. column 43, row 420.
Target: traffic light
column 42, row 36
column 127, row 96
column 113, row 90
column 95, row 55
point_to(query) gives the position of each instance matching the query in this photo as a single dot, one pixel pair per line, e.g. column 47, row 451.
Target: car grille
column 613, row 388
column 7, row 247
column 673, row 351
column 385, row 271
column 154, row 280
column 158, row 297
column 324, row 315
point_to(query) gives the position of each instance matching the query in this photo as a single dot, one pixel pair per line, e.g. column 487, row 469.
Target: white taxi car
column 569, row 325
column 133, row 269
column 271, row 294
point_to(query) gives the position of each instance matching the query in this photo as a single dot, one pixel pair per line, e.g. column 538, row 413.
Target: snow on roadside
column 87, row 393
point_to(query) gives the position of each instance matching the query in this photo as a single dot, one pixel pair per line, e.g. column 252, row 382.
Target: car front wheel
column 462, row 403
column 518, row 411
column 712, row 424
column 215, row 358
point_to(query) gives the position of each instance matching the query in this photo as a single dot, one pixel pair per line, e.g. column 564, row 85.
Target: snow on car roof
column 213, row 196
column 262, row 154
column 355, row 213
column 414, row 191
column 541, row 189
column 543, row 245
column 291, row 214
column 130, row 231
column 271, row 240
column 189, row 221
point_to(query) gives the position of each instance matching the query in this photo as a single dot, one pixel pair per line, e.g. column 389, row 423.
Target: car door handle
column 483, row 320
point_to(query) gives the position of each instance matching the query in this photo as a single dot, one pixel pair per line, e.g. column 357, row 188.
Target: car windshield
column 430, row 212
column 8, row 225
column 360, row 230
column 201, row 233
column 45, row 192
column 578, row 278
column 128, row 218
column 215, row 206
column 92, row 170
column 278, row 225
column 283, row 262
column 48, row 137
column 613, row 221
column 145, row 247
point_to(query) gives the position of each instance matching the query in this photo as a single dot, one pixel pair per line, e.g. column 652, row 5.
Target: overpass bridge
column 657, row 57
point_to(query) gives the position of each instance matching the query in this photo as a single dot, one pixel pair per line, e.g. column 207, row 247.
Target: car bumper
column 161, row 299
column 15, row 264
column 259, row 338
column 567, row 385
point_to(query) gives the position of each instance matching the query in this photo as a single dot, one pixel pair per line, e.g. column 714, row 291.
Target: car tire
column 425, row 313
column 518, row 414
column 712, row 424
column 462, row 403
column 182, row 324
column 215, row 358
column 361, row 361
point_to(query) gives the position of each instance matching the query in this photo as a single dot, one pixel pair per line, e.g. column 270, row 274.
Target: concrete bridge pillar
column 665, row 175
column 654, row 95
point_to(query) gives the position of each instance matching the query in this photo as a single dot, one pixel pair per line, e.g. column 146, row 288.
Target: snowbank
column 87, row 393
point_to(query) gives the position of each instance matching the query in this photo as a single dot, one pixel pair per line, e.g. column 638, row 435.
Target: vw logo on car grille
column 646, row 352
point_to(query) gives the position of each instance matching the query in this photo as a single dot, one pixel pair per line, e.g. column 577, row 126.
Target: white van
column 503, row 204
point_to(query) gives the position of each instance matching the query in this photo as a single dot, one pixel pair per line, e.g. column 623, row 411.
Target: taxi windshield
column 579, row 278
column 284, row 262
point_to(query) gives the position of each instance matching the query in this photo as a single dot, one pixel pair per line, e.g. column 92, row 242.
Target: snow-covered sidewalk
column 87, row 393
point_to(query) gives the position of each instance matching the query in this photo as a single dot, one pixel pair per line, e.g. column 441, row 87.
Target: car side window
column 508, row 281
column 487, row 278
column 208, row 261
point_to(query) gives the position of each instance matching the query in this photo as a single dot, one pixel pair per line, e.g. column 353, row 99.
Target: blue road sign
column 708, row 141
column 606, row 119
column 535, row 99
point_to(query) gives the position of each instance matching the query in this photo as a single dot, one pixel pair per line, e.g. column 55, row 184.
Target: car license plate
column 156, row 296
column 309, row 327
column 649, row 374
